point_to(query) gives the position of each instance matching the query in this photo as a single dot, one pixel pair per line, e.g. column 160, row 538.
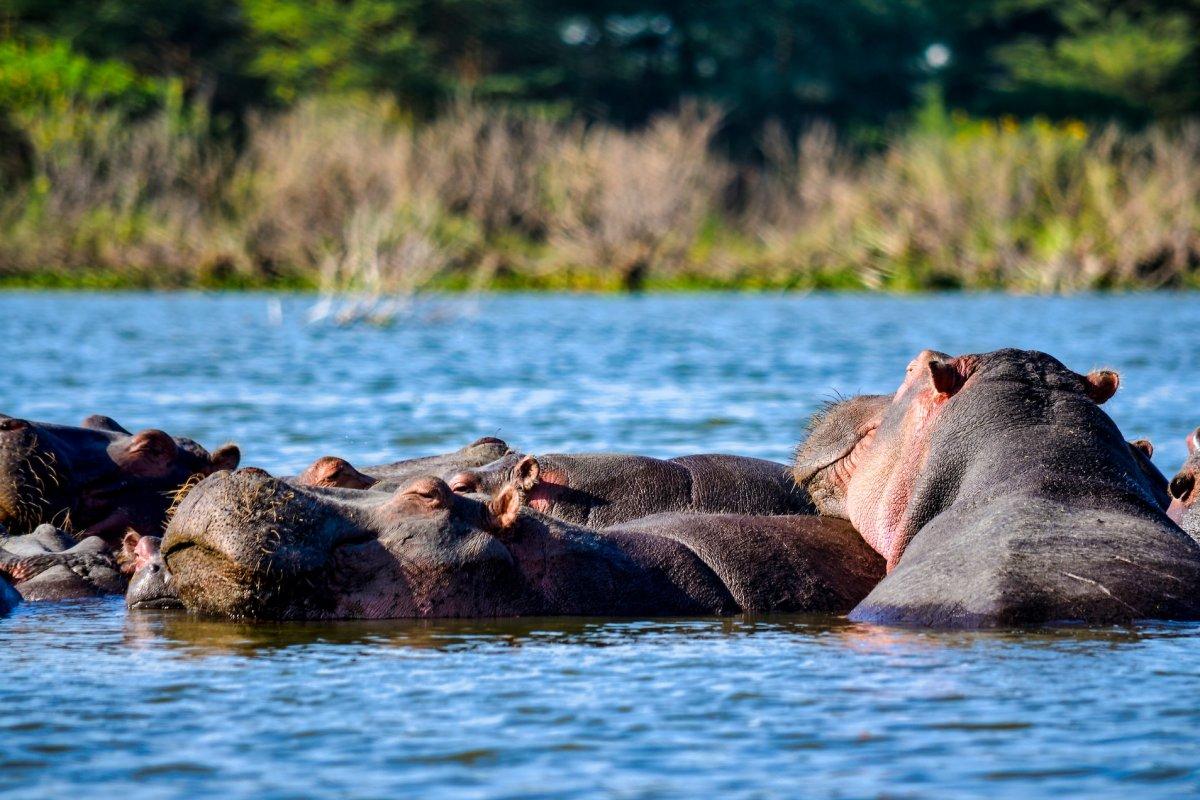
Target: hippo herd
column 989, row 490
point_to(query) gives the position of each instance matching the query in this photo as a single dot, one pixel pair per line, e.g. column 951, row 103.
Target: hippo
column 98, row 479
column 246, row 545
column 1184, row 490
column 151, row 585
column 1001, row 494
column 331, row 471
column 602, row 489
column 840, row 431
column 50, row 564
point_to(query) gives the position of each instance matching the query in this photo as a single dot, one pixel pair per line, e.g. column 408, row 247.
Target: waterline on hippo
column 246, row 545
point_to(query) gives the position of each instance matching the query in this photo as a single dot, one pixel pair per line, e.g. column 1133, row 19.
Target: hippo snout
column 238, row 536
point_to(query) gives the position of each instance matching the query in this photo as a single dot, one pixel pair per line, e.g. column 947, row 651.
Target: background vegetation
column 388, row 145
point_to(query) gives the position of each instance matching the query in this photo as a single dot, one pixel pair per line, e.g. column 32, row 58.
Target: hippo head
column 838, row 435
column 245, row 544
column 515, row 468
column 333, row 472
column 98, row 478
column 1184, row 489
column 954, row 414
column 150, row 583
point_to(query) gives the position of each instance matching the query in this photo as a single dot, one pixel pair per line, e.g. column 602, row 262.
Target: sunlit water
column 98, row 702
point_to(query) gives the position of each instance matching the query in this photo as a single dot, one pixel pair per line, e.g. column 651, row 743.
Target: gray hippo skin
column 245, row 544
column 98, row 479
column 1184, row 489
column 1001, row 494
column 334, row 472
column 49, row 564
column 841, row 432
column 151, row 585
column 602, row 489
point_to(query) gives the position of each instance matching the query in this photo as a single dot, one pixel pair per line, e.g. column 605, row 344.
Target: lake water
column 100, row 702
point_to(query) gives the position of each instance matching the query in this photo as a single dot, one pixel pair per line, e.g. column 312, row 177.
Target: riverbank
column 352, row 196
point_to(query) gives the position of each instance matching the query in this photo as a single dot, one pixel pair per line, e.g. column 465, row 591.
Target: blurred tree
column 859, row 63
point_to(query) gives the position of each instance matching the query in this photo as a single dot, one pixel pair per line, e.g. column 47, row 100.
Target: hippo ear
column 127, row 557
column 505, row 507
column 1145, row 445
column 227, row 456
column 1193, row 442
column 946, row 379
column 1101, row 384
column 526, row 473
column 99, row 422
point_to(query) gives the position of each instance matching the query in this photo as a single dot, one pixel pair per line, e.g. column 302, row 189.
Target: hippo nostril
column 1182, row 486
column 13, row 424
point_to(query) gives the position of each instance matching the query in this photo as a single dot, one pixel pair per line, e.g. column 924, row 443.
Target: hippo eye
column 463, row 484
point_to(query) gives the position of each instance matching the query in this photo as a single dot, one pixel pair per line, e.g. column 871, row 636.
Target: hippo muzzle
column 245, row 544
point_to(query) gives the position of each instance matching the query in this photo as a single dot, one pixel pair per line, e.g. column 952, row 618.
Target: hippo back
column 776, row 563
column 1026, row 560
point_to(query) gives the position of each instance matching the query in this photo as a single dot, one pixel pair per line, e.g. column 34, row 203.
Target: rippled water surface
column 98, row 702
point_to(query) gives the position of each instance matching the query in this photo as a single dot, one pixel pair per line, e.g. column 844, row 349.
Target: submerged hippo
column 98, row 479
column 602, row 489
column 244, row 544
column 50, row 564
column 150, row 585
column 331, row 471
column 1184, row 490
column 1000, row 493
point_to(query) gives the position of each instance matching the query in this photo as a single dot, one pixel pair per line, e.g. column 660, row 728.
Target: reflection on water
column 162, row 704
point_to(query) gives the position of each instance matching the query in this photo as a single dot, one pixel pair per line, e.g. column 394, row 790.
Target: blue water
column 100, row 702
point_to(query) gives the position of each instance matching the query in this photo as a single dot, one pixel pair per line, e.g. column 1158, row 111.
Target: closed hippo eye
column 431, row 491
column 464, row 483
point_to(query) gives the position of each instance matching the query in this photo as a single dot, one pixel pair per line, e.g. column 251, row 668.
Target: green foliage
column 49, row 74
column 302, row 46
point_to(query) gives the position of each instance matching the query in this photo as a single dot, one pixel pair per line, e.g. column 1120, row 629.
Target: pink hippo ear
column 1193, row 442
column 227, row 456
column 127, row 557
column 1101, row 384
column 505, row 508
column 526, row 473
column 945, row 377
column 1145, row 445
column 149, row 453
